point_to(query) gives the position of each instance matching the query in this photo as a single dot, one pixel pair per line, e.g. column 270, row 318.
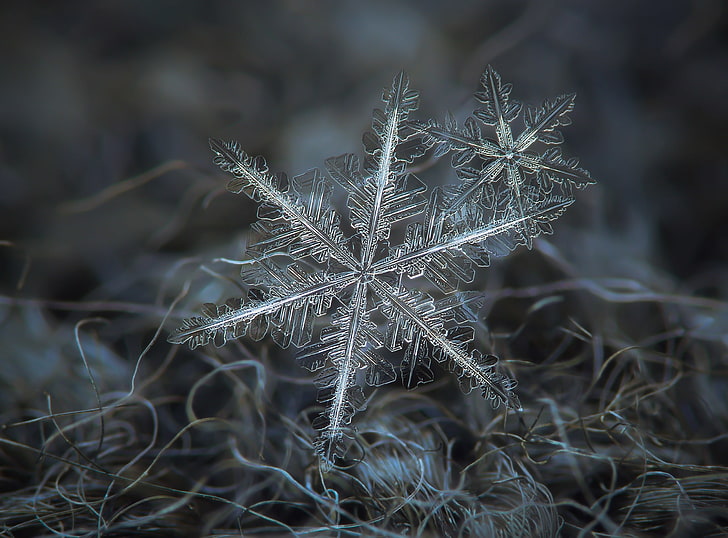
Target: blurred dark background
column 94, row 93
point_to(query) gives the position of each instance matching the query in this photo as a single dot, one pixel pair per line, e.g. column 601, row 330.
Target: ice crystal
column 368, row 292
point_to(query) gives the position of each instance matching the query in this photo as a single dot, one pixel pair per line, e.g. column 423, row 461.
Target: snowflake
column 307, row 266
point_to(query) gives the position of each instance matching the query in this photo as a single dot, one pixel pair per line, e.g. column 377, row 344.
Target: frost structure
column 307, row 267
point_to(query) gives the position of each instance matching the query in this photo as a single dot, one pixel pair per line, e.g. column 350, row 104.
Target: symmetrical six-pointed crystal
column 370, row 294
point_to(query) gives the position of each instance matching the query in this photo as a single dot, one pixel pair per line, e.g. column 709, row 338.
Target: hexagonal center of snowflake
column 366, row 276
column 510, row 155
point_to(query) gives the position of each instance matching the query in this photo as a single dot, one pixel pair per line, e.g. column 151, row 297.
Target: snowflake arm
column 385, row 193
column 305, row 218
column 423, row 321
column 436, row 251
column 287, row 311
column 348, row 344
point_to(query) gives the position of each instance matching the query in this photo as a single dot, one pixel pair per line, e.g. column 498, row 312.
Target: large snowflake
column 307, row 266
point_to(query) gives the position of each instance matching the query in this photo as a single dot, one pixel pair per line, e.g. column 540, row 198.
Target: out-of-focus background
column 107, row 192
column 95, row 92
